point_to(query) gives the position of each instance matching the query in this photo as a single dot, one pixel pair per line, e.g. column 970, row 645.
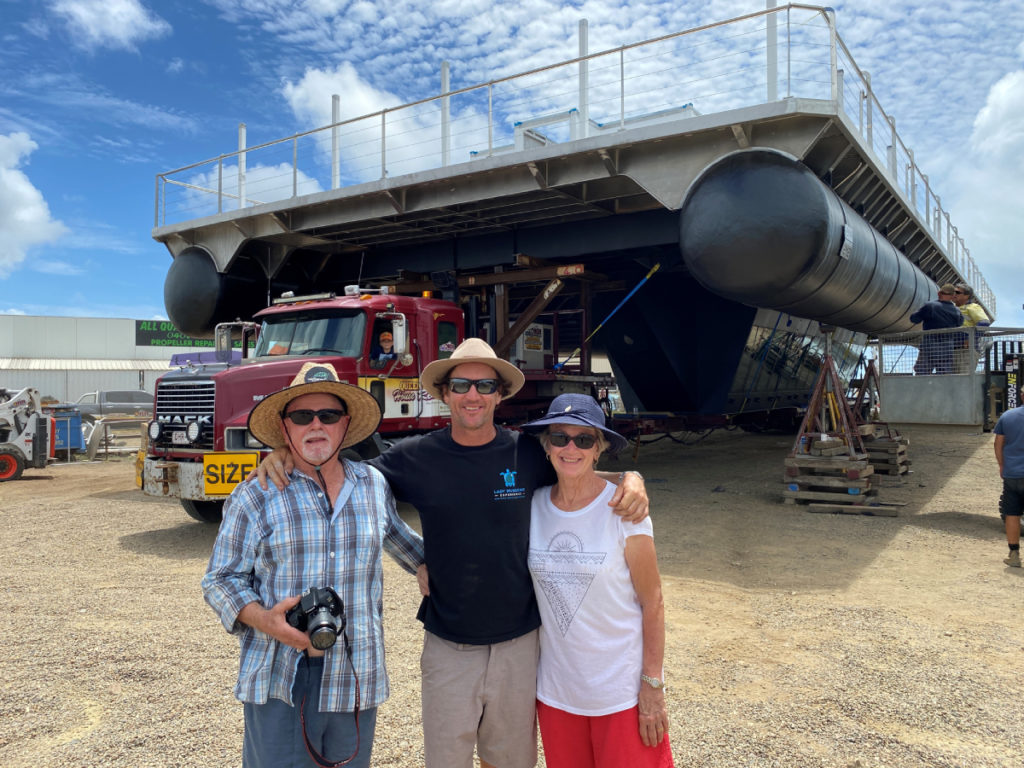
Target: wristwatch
column 622, row 475
column 654, row 682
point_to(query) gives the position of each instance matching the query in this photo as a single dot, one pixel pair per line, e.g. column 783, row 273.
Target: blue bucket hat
column 577, row 410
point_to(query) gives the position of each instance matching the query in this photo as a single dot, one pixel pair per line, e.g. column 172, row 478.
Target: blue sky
column 98, row 96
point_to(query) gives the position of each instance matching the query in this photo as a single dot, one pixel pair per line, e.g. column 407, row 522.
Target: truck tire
column 11, row 464
column 203, row 511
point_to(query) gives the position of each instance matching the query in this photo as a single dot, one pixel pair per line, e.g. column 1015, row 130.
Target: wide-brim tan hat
column 471, row 351
column 316, row 378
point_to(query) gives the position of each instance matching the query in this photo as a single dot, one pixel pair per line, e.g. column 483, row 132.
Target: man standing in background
column 965, row 356
column 936, row 352
column 1009, row 446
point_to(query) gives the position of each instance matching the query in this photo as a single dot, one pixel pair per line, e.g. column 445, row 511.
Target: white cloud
column 413, row 135
column 53, row 267
column 986, row 205
column 115, row 24
column 310, row 97
column 11, row 311
column 25, row 218
column 998, row 132
column 71, row 93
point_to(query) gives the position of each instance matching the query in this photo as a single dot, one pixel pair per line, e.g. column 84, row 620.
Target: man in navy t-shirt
column 936, row 352
column 1009, row 446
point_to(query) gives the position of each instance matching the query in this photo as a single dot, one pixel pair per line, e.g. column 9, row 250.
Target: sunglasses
column 582, row 441
column 303, row 417
column 483, row 386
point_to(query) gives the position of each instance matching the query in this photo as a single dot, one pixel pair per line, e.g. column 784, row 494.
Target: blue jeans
column 273, row 731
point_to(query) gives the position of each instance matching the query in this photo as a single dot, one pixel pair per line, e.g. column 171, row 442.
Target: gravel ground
column 794, row 639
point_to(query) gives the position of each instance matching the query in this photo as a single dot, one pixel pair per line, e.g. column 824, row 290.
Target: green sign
column 162, row 333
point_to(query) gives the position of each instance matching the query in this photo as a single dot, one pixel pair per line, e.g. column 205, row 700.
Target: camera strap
column 319, row 759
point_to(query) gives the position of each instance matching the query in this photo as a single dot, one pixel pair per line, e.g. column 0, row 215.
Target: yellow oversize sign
column 223, row 471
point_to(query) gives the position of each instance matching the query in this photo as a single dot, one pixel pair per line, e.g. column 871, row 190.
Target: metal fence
column 927, row 353
column 775, row 54
column 949, row 351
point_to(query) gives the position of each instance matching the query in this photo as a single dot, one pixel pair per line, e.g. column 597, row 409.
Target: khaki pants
column 483, row 695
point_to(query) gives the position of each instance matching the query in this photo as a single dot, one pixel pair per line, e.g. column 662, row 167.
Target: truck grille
column 180, row 402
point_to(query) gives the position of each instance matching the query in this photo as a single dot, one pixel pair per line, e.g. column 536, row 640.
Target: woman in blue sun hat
column 600, row 682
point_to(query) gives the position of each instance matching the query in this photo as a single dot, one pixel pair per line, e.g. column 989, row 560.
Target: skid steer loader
column 27, row 436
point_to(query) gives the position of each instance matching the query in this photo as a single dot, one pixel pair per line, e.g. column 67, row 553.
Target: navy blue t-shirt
column 1011, row 427
column 474, row 506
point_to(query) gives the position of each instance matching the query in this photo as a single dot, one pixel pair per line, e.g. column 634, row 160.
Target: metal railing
column 792, row 51
column 939, row 352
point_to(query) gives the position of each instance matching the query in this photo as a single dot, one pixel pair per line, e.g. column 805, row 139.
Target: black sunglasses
column 483, row 386
column 302, row 417
column 583, row 441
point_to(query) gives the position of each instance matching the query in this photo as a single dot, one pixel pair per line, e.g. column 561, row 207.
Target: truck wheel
column 11, row 465
column 203, row 511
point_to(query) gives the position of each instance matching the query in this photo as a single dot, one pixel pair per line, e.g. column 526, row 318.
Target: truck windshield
column 334, row 332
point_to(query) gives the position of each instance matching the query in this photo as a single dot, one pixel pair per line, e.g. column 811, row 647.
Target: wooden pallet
column 872, row 509
column 835, row 479
column 889, row 456
column 853, row 467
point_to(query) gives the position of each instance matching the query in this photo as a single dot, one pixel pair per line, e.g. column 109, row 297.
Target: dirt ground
column 793, row 638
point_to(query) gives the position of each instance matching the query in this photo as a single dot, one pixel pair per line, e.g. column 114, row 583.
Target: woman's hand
column 653, row 715
column 423, row 580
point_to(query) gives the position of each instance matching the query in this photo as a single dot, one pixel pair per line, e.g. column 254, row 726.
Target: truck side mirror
column 222, row 342
column 399, row 335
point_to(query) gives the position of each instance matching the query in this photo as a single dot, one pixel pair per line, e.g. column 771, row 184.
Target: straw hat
column 471, row 351
column 315, row 378
column 577, row 410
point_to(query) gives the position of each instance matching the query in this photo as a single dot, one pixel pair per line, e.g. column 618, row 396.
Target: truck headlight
column 154, row 430
column 192, row 431
column 239, row 439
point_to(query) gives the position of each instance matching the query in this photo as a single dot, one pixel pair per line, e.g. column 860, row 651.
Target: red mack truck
column 199, row 448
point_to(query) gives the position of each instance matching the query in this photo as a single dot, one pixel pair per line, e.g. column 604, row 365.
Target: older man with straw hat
column 325, row 530
column 472, row 483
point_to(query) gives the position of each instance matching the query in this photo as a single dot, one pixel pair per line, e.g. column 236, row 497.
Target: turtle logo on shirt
column 509, row 477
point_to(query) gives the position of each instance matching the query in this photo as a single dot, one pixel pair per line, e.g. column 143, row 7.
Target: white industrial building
column 65, row 357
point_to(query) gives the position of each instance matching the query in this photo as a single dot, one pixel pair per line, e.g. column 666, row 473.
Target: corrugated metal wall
column 65, row 357
column 67, row 386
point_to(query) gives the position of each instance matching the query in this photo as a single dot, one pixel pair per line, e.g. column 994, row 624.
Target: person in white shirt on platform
column 600, row 689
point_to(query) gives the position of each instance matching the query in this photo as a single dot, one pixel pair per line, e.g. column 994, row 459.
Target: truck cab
column 199, row 447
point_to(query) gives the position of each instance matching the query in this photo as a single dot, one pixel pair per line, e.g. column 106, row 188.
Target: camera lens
column 323, row 629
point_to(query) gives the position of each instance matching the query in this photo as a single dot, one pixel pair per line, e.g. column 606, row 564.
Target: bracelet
column 622, row 475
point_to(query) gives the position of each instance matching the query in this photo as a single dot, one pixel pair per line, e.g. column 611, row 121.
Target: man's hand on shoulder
column 630, row 499
column 276, row 467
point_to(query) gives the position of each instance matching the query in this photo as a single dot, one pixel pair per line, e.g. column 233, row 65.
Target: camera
column 320, row 614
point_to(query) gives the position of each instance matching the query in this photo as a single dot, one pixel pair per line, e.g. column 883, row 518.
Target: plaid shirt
column 276, row 544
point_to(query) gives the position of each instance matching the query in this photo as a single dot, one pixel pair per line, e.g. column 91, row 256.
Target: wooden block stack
column 833, row 482
column 888, row 454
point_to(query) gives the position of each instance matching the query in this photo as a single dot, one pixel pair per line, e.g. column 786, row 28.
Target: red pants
column 609, row 741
